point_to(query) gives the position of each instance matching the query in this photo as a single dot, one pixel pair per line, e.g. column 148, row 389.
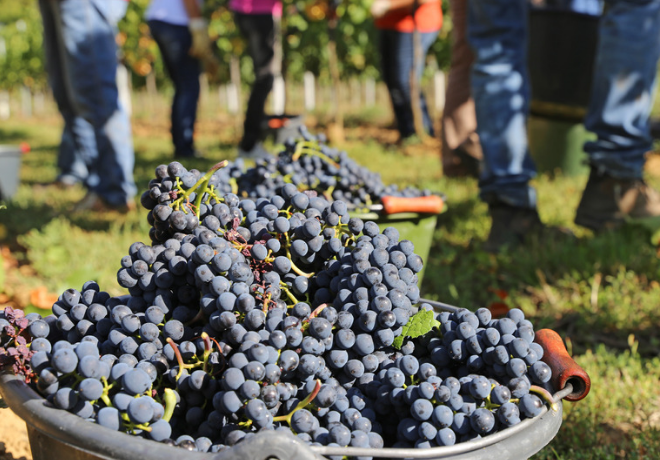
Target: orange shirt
column 428, row 18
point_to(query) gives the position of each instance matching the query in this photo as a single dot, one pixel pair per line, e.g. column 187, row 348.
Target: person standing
column 461, row 151
column 396, row 22
column 81, row 60
column 256, row 21
column 618, row 113
column 181, row 34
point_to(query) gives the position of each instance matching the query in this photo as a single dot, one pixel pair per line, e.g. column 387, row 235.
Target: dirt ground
column 14, row 444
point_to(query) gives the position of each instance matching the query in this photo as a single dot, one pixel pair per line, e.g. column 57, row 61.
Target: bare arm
column 192, row 8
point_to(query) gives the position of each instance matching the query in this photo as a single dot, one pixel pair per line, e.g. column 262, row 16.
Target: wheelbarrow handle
column 564, row 368
column 432, row 204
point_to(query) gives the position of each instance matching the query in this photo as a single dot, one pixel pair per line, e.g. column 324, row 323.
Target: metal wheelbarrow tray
column 57, row 434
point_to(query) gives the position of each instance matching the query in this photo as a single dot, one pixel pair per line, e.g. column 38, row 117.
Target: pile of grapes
column 306, row 162
column 310, row 164
column 280, row 313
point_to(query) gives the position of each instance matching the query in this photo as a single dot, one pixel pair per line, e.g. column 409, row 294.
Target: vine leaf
column 418, row 325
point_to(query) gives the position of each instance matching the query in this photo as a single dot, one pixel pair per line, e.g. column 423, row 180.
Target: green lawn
column 601, row 293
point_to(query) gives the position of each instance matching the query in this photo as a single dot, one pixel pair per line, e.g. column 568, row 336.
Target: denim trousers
column 620, row 103
column 397, row 59
column 174, row 41
column 81, row 59
column 259, row 32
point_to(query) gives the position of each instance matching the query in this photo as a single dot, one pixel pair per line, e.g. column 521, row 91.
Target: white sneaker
column 258, row 152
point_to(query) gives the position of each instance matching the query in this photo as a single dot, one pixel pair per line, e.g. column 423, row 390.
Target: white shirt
column 170, row 11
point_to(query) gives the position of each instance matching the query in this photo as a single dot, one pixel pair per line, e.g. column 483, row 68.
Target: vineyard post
column 152, row 91
column 5, row 108
column 279, row 90
column 26, row 101
column 439, row 90
column 222, row 97
column 310, row 90
column 39, row 102
column 369, row 92
column 234, row 92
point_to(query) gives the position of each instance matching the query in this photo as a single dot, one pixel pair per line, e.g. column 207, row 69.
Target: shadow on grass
column 594, row 289
column 13, row 135
column 19, row 220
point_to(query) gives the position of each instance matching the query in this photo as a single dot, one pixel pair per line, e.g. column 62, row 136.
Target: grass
column 600, row 292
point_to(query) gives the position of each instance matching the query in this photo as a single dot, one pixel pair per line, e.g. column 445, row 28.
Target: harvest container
column 55, row 433
column 561, row 79
column 10, row 165
column 558, row 145
column 561, row 72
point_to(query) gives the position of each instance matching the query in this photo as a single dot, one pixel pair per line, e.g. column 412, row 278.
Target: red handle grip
column 432, row 204
column 564, row 368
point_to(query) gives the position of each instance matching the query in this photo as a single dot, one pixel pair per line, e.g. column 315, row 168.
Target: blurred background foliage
column 304, row 40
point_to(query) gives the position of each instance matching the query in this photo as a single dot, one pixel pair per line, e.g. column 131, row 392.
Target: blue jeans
column 174, row 41
column 621, row 99
column 396, row 54
column 81, row 59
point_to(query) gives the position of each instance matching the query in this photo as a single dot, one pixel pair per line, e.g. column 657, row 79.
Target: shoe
column 510, row 226
column 94, row 203
column 459, row 163
column 607, row 203
column 258, row 152
column 61, row 183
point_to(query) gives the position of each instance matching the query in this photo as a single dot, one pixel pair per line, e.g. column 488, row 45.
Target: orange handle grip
column 424, row 204
column 564, row 368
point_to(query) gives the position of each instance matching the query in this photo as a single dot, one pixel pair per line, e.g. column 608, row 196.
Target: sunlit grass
column 600, row 292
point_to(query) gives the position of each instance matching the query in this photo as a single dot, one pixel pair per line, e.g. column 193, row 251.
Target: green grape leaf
column 418, row 325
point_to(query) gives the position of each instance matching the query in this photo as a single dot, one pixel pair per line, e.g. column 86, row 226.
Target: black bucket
column 561, row 54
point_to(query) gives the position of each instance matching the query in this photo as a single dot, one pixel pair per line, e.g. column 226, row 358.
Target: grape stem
column 170, row 404
column 545, row 395
column 106, row 389
column 179, row 359
column 220, row 353
column 208, row 347
column 301, row 405
column 199, row 316
column 288, row 293
column 312, row 148
column 316, row 311
column 200, row 187
column 143, row 428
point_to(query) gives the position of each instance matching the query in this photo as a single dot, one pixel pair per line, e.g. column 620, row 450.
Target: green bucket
column 558, row 145
column 415, row 227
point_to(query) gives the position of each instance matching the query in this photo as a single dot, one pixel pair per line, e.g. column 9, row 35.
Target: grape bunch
column 310, row 164
column 476, row 376
column 16, row 330
column 280, row 313
column 178, row 199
